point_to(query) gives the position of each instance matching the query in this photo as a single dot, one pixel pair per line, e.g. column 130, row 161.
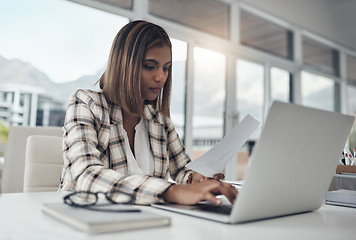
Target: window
column 321, row 57
column 259, row 33
column 351, row 90
column 209, row 99
column 351, row 69
column 209, row 16
column 179, row 58
column 250, row 91
column 280, row 85
column 351, row 93
column 49, row 56
column 351, row 76
column 318, row 91
column 249, row 100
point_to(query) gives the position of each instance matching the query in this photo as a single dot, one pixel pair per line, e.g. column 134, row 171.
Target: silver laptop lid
column 293, row 162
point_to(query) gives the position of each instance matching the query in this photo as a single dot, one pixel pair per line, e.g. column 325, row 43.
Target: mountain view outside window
column 48, row 49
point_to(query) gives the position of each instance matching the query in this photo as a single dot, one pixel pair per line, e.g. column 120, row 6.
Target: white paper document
column 216, row 159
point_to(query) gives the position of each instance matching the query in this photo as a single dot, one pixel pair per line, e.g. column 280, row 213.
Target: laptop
column 290, row 168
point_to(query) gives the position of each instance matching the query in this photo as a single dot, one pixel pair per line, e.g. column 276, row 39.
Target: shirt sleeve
column 86, row 164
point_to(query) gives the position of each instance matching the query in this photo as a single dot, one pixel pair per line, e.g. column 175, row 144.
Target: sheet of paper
column 216, row 159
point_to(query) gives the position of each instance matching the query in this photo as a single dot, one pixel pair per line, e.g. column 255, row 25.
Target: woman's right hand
column 193, row 193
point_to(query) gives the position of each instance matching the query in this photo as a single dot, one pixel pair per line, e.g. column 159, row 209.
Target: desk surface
column 21, row 218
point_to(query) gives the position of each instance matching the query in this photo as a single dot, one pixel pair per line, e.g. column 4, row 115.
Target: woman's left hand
column 197, row 177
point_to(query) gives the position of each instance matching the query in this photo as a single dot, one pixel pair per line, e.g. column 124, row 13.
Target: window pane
column 249, row 100
column 352, row 99
column 250, row 91
column 60, row 53
column 264, row 35
column 352, row 111
column 179, row 55
column 351, row 88
column 209, row 98
column 320, row 56
column 207, row 15
column 317, row 91
column 351, row 69
column 280, row 89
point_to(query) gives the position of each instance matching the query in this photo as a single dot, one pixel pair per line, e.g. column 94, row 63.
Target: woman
column 122, row 139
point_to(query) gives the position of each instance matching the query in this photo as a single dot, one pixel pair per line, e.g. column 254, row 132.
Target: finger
column 229, row 191
column 211, row 198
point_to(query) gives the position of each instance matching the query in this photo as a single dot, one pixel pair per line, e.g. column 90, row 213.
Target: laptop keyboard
column 222, row 209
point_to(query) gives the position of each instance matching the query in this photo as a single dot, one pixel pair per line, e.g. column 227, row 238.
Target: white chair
column 14, row 157
column 43, row 163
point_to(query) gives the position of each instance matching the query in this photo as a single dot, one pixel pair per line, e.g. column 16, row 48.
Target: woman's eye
column 148, row 67
column 166, row 68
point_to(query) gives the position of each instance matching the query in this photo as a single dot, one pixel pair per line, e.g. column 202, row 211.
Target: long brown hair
column 121, row 81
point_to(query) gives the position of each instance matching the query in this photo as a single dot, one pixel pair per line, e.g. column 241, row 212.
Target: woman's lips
column 155, row 90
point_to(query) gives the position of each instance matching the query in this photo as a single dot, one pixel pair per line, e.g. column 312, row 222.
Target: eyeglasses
column 118, row 201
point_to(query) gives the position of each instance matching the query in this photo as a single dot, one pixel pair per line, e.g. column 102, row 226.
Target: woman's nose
column 159, row 75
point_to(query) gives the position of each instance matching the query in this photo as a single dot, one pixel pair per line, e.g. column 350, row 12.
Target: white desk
column 21, row 218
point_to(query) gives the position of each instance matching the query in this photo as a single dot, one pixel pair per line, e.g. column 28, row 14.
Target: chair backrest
column 14, row 157
column 43, row 163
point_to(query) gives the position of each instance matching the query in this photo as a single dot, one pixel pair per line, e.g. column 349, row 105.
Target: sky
column 63, row 39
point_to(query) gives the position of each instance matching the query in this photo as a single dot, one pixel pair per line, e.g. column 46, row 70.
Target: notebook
column 93, row 222
column 290, row 168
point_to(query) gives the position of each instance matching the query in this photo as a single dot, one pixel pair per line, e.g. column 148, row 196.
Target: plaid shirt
column 94, row 151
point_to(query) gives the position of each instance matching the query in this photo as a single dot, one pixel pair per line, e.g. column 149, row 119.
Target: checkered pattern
column 95, row 156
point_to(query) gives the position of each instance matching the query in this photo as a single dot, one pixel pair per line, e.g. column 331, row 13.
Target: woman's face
column 155, row 68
